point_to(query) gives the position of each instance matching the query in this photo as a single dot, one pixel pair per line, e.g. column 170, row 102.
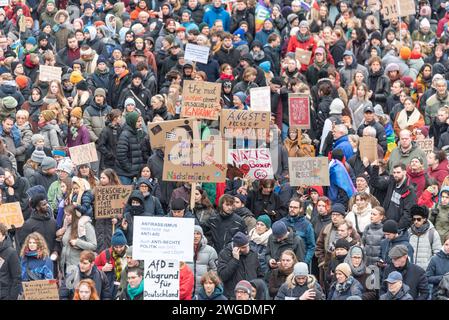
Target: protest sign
column 260, row 99
column 303, row 56
column 196, row 53
column 84, row 153
column 195, row 161
column 49, row 73
column 40, row 290
column 298, row 111
column 160, row 132
column 201, row 100
column 163, row 238
column 397, row 8
column 243, row 123
column 161, row 280
column 308, row 171
column 11, row 215
column 368, row 148
column 4, row 3
column 111, row 200
column 425, row 145
column 255, row 164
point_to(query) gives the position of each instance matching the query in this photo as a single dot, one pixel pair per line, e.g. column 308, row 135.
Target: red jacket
column 417, row 178
column 427, row 199
column 185, row 283
column 309, row 45
column 441, row 23
column 440, row 172
column 100, row 260
column 9, row 10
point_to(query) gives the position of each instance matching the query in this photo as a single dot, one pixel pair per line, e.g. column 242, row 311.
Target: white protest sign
column 4, row 3
column 254, row 164
column 196, row 53
column 49, row 73
column 163, row 238
column 260, row 99
column 161, row 280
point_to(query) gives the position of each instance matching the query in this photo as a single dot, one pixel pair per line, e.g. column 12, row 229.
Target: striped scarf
column 118, row 264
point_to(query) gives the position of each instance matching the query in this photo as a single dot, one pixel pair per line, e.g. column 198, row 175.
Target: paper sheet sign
column 85, row 153
column 161, row 280
column 11, row 214
column 243, row 123
column 40, row 290
column 49, row 73
column 260, row 99
column 196, row 53
column 303, row 56
column 255, row 164
column 159, row 132
column 299, row 111
column 110, row 201
column 368, row 148
column 201, row 100
column 195, row 161
column 308, row 171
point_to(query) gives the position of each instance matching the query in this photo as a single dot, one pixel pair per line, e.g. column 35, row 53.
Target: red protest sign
column 299, row 111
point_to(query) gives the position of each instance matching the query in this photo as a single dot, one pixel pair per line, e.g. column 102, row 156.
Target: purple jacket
column 82, row 137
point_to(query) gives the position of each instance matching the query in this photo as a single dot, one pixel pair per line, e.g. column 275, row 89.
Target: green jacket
column 54, row 195
column 433, row 104
column 397, row 156
column 441, row 221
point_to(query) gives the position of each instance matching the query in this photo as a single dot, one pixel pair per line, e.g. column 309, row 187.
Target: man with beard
column 439, row 126
column 227, row 53
column 436, row 101
column 140, row 94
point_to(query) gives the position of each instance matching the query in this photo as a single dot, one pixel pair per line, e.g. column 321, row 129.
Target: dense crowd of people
column 379, row 231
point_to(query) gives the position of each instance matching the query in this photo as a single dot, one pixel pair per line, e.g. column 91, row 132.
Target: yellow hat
column 76, row 77
column 120, row 63
column 77, row 113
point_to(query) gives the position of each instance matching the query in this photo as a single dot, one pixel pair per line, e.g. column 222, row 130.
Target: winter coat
column 129, row 153
column 275, row 248
column 52, row 135
column 260, row 204
column 10, row 271
column 25, row 137
column 70, row 255
column 102, row 285
column 380, row 132
column 212, row 13
column 231, row 270
column 205, row 259
column 438, row 266
column 83, row 137
column 352, row 288
column 99, row 79
column 20, row 187
column 156, row 164
column 425, row 245
column 7, row 90
column 357, row 108
column 94, row 118
column 258, row 244
column 106, row 145
column 43, row 179
column 442, row 293
column 440, row 173
column 115, row 87
column 380, row 85
column 418, row 180
column 304, row 229
column 39, row 268
column 308, row 45
column 347, row 72
column 413, row 276
column 291, row 290
column 343, row 144
column 142, row 98
column 371, row 239
column 216, row 295
column 359, row 220
column 433, row 104
column 44, row 224
column 211, row 69
column 441, row 220
column 402, row 239
column 403, row 294
column 220, row 229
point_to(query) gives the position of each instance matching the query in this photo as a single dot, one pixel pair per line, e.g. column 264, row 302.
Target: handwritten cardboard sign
column 368, row 148
column 196, row 53
column 395, row 8
column 195, row 161
column 243, row 123
column 255, row 164
column 163, row 238
column 260, row 99
column 201, row 100
column 85, row 153
column 40, row 290
column 11, row 215
column 299, row 111
column 4, row 3
column 111, row 200
column 308, row 171
column 49, row 73
column 159, row 132
column 303, row 56
column 425, row 145
column 154, row 287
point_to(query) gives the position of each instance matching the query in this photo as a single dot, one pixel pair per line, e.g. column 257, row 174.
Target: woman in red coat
column 185, row 281
column 437, row 163
column 303, row 40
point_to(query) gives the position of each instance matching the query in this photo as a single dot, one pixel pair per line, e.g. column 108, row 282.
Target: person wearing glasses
column 134, row 289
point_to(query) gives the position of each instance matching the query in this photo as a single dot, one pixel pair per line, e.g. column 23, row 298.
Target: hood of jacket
column 243, row 212
column 218, row 291
column 5, row 244
column 136, row 195
column 40, row 217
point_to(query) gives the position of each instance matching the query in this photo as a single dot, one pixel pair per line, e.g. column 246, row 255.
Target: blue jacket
column 437, row 268
column 41, row 267
column 386, row 245
column 303, row 228
column 343, row 144
column 85, row 208
column 216, row 295
column 15, row 134
column 353, row 288
column 263, row 35
column 213, row 14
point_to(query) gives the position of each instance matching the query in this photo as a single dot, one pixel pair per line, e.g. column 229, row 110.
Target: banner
column 40, row 290
column 243, row 123
column 85, row 153
column 262, row 13
column 163, row 238
column 425, row 145
column 368, row 148
column 161, row 280
column 110, row 201
column 303, row 56
column 49, row 73
column 255, row 164
column 196, row 53
column 397, row 8
column 11, row 215
column 260, row 99
column 159, row 132
column 299, row 111
column 195, row 161
column 201, row 100
column 308, row 171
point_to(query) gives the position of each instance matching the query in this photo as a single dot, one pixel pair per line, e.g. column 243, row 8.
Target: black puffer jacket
column 156, row 165
column 220, row 229
column 107, row 143
column 129, row 153
column 292, row 242
column 230, row 56
column 43, row 179
column 10, row 271
column 44, row 224
column 20, row 186
column 260, row 204
column 380, row 85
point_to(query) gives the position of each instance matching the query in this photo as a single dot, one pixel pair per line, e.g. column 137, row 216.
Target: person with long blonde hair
column 86, row 290
column 34, row 258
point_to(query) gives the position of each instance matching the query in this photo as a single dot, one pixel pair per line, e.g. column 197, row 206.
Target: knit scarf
column 404, row 122
column 118, row 264
column 224, row 76
column 342, row 287
column 303, row 37
column 420, row 230
column 74, row 131
column 134, row 292
column 120, row 77
column 259, row 238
